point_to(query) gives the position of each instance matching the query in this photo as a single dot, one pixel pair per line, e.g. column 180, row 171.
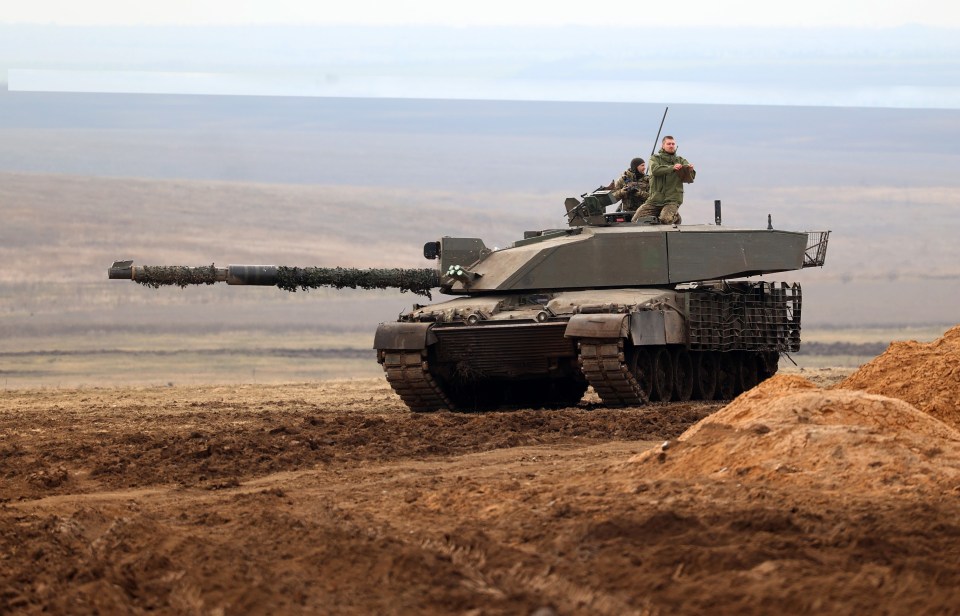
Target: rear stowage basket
column 816, row 252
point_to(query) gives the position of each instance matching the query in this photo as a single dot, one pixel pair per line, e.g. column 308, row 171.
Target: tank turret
column 639, row 311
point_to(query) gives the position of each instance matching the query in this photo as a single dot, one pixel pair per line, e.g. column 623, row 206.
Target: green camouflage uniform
column 666, row 188
column 631, row 188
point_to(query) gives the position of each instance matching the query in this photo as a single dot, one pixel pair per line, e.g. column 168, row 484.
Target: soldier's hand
column 678, row 167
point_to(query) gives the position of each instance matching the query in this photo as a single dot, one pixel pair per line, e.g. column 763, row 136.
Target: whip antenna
column 654, row 148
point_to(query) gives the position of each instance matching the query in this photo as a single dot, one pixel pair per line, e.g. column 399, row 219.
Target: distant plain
column 87, row 179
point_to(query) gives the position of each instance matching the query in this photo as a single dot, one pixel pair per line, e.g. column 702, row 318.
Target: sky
column 812, row 13
column 850, row 53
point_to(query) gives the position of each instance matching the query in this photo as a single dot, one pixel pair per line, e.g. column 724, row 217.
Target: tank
column 639, row 311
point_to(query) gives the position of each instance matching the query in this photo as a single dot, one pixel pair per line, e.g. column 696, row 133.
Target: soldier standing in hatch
column 668, row 173
column 633, row 187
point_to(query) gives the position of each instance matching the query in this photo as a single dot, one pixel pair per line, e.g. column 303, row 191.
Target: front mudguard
column 644, row 328
column 597, row 326
column 404, row 336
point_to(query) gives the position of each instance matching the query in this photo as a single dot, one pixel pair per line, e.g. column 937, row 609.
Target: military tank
column 639, row 311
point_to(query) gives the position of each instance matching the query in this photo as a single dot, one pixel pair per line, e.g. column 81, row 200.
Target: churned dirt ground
column 804, row 495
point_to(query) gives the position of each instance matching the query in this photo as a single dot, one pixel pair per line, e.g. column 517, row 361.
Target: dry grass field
column 64, row 324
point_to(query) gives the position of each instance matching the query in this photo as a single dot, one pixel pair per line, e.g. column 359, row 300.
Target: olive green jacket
column 632, row 188
column 665, row 185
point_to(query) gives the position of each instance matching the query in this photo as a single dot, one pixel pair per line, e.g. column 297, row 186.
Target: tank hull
column 638, row 311
column 633, row 346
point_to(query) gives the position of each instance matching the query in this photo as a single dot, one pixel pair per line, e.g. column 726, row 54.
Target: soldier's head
column 669, row 145
column 638, row 165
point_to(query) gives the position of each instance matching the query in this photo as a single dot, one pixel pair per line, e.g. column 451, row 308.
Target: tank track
column 604, row 364
column 409, row 376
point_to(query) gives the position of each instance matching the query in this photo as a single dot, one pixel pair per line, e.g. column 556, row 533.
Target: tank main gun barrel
column 418, row 281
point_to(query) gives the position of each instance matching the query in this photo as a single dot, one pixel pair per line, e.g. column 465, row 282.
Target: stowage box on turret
column 639, row 311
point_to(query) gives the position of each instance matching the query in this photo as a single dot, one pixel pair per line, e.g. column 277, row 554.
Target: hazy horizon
column 908, row 66
column 246, row 178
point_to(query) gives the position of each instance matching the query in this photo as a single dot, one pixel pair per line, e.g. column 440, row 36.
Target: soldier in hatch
column 668, row 173
column 633, row 187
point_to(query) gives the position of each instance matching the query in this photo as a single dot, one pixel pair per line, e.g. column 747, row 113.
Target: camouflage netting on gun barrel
column 419, row 281
column 156, row 276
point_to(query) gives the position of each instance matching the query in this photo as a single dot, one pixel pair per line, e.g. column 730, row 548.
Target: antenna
column 655, row 141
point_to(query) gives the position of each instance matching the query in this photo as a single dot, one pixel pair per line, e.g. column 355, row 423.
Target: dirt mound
column 332, row 497
column 789, row 431
column 927, row 375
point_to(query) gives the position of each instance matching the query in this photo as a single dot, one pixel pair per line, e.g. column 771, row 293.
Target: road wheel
column 748, row 372
column 769, row 365
column 641, row 369
column 682, row 374
column 661, row 373
column 726, row 376
column 704, row 375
